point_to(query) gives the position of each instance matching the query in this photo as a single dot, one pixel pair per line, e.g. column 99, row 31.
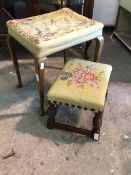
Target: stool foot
column 50, row 124
column 42, row 113
column 97, row 122
column 51, row 111
column 96, row 136
column 19, row 86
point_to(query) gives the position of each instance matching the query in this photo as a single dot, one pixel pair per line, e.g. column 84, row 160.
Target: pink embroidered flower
column 79, row 82
column 89, row 77
column 79, row 71
column 82, row 76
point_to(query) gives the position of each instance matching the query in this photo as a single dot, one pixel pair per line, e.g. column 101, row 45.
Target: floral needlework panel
column 82, row 83
column 50, row 26
column 82, row 76
column 51, row 32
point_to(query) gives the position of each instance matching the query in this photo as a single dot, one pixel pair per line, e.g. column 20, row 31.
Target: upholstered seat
column 48, row 33
column 81, row 83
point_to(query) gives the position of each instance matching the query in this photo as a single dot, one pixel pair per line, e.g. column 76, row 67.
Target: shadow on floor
column 34, row 124
column 30, row 120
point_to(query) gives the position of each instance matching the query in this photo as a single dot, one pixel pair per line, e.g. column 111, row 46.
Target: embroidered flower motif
column 89, row 76
column 79, row 82
column 66, row 75
column 51, row 25
column 81, row 76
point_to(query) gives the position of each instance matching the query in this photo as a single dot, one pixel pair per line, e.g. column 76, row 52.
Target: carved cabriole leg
column 97, row 122
column 65, row 55
column 10, row 43
column 88, row 43
column 52, row 110
column 99, row 47
column 39, row 67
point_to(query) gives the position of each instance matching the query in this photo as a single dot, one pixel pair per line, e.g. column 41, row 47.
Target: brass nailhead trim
column 60, row 103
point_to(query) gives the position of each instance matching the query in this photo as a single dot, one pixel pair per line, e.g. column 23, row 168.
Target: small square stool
column 81, row 84
column 46, row 34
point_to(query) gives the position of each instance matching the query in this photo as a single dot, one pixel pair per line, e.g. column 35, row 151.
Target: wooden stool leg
column 88, row 43
column 97, row 122
column 51, row 113
column 39, row 67
column 65, row 55
column 99, row 47
column 10, row 43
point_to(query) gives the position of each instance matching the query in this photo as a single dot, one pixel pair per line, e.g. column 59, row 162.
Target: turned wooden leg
column 97, row 122
column 10, row 43
column 51, row 111
column 65, row 55
column 99, row 47
column 88, row 43
column 39, row 67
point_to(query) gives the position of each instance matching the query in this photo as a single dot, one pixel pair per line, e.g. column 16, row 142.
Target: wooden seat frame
column 94, row 134
column 97, row 121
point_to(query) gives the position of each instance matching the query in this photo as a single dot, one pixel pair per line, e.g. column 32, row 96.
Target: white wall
column 105, row 11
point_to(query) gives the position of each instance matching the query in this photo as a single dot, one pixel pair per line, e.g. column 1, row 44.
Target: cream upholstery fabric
column 81, row 83
column 48, row 33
